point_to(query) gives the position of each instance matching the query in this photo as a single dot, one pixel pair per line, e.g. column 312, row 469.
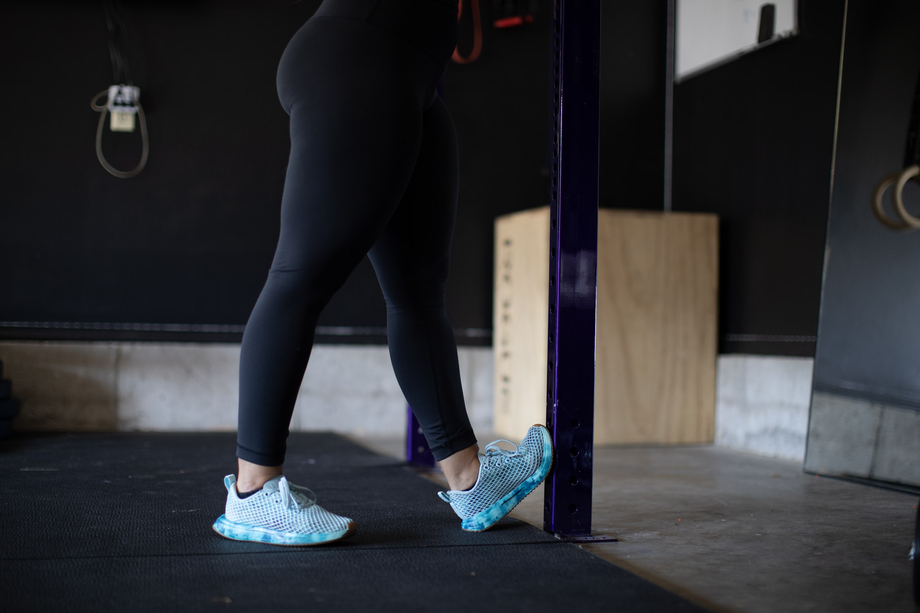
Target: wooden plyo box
column 657, row 280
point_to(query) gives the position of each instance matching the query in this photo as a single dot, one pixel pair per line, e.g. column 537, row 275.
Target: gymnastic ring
column 877, row 208
column 897, row 194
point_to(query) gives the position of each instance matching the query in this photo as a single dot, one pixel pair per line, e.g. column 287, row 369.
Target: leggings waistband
column 429, row 25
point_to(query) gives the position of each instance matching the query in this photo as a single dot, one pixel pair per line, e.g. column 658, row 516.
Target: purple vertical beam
column 417, row 451
column 573, row 265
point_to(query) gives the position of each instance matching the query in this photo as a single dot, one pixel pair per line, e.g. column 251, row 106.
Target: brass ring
column 877, row 208
column 897, row 194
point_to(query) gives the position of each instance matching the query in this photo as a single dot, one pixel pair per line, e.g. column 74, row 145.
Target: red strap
column 477, row 35
column 508, row 22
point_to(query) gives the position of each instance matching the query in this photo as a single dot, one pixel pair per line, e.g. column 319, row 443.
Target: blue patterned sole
column 487, row 518
column 256, row 534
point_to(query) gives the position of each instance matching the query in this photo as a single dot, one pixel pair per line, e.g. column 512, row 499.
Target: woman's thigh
column 411, row 256
column 356, row 131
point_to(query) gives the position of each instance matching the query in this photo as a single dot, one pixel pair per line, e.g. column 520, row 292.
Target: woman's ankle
column 461, row 468
column 252, row 477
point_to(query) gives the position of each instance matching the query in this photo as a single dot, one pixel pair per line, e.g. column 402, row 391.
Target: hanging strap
column 477, row 35
column 107, row 108
column 912, row 148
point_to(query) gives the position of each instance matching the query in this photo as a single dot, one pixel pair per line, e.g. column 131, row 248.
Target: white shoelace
column 295, row 495
column 497, row 454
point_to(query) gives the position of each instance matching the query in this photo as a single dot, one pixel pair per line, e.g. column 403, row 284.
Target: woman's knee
column 298, row 285
column 422, row 295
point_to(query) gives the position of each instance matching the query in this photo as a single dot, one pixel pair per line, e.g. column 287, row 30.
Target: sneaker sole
column 486, row 519
column 255, row 534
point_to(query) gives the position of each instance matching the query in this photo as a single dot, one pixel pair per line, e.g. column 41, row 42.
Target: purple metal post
column 417, row 451
column 573, row 265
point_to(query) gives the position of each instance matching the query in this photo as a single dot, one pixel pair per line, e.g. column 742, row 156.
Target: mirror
column 865, row 410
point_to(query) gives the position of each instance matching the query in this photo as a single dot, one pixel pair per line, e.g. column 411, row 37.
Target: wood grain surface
column 656, row 325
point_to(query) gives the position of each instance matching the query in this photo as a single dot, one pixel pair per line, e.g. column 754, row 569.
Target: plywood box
column 656, row 325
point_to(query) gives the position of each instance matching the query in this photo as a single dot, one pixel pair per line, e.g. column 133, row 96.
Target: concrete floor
column 737, row 532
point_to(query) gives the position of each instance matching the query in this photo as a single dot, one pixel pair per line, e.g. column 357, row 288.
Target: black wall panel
column 187, row 244
column 181, row 251
column 753, row 142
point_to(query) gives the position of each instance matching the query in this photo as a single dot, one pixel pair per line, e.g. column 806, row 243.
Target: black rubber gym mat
column 122, row 522
column 158, row 494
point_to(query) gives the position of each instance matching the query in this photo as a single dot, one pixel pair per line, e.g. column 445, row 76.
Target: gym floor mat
column 122, row 521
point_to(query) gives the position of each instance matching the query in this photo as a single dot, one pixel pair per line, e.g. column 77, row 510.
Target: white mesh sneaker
column 505, row 478
column 281, row 513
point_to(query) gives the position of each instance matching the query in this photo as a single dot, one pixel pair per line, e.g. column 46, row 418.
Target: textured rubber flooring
column 121, row 522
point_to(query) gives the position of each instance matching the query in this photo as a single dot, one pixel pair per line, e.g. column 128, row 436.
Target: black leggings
column 373, row 169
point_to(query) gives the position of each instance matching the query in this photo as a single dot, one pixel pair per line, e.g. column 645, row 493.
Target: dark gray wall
column 753, row 141
column 633, row 54
column 190, row 240
column 869, row 336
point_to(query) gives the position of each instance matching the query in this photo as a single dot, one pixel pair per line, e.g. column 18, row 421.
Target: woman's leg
column 349, row 166
column 411, row 259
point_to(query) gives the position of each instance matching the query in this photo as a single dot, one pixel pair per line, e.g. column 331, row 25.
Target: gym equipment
column 573, row 266
column 915, row 555
column 899, row 178
column 417, row 451
column 124, row 100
